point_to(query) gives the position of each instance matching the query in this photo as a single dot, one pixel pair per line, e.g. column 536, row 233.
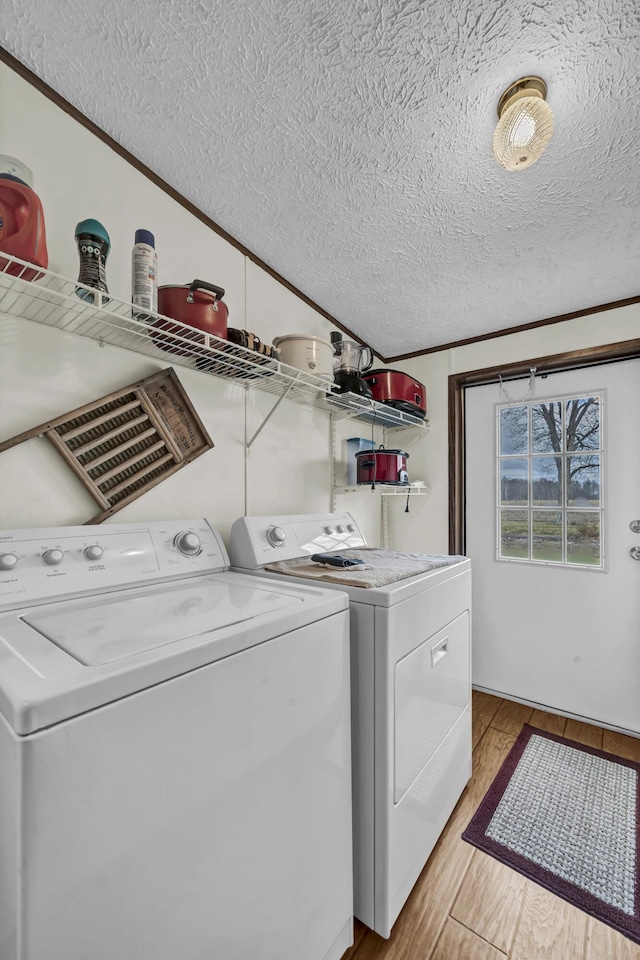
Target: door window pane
column 546, row 481
column 583, row 537
column 514, row 430
column 514, row 534
column 546, row 535
column 583, row 423
column 583, row 481
column 550, row 466
column 546, row 427
column 514, row 481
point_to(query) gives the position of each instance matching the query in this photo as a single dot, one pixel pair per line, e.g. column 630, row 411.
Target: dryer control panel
column 53, row 563
column 257, row 541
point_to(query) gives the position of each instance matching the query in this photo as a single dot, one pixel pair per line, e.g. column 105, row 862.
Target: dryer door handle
column 439, row 652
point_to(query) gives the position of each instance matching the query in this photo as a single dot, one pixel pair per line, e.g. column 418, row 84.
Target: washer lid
column 61, row 659
column 105, row 629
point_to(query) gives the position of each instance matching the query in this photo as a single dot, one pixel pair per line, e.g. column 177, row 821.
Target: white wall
column 45, row 372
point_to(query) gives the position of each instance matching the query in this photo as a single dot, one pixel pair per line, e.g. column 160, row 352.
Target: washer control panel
column 46, row 564
column 257, row 541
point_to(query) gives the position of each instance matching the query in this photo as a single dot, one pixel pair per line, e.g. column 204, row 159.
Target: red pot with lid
column 382, row 466
column 198, row 305
column 397, row 389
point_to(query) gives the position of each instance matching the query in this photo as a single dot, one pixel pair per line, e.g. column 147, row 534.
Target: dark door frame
column 458, row 382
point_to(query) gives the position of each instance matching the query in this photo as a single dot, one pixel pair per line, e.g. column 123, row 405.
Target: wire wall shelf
column 56, row 301
column 418, row 489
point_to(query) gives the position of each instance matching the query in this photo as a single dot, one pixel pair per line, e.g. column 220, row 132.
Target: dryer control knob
column 94, row 552
column 340, row 528
column 276, row 536
column 53, row 557
column 350, row 527
column 188, row 543
column 328, row 530
column 8, row 561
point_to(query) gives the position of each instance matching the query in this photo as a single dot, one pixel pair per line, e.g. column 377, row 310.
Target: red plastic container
column 22, row 232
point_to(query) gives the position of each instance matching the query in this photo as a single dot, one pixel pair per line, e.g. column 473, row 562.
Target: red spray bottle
column 22, row 231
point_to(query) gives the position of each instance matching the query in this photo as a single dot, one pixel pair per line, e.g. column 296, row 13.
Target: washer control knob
column 93, row 552
column 276, row 536
column 328, row 530
column 350, row 527
column 53, row 557
column 340, row 528
column 188, row 543
column 8, row 561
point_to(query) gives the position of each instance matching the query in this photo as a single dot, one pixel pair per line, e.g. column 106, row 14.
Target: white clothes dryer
column 175, row 776
column 411, row 690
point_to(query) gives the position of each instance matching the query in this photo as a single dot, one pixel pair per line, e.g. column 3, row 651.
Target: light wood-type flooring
column 467, row 906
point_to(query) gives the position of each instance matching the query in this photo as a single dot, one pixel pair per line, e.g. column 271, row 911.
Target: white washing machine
column 411, row 693
column 175, row 776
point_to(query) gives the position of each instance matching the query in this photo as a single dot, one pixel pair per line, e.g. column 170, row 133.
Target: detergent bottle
column 21, row 220
column 93, row 249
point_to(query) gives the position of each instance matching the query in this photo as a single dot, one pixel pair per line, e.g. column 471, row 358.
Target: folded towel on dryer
column 381, row 567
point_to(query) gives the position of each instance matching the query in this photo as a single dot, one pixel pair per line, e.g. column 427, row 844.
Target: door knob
column 634, row 553
column 635, row 526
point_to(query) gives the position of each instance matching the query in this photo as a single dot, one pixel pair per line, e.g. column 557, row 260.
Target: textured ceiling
column 347, row 143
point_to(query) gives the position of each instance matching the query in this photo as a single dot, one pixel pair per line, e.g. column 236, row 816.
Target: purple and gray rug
column 568, row 817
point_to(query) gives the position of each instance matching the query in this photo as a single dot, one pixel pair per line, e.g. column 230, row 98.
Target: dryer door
column 423, row 732
column 431, row 690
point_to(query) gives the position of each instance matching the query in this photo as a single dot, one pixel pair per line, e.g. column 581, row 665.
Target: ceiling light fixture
column 525, row 126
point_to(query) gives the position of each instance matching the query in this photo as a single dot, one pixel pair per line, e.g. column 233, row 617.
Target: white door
column 552, row 489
